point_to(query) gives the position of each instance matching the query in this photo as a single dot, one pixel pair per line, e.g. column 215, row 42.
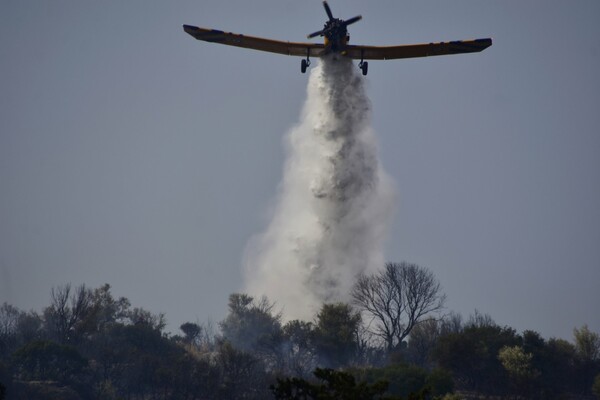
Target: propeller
column 352, row 20
column 328, row 10
column 333, row 23
column 315, row 34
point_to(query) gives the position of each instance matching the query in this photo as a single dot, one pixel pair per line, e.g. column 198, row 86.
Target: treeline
column 390, row 342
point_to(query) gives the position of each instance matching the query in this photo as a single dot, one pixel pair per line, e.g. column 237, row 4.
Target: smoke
column 331, row 215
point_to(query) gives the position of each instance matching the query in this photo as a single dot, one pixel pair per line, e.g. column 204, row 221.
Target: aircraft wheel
column 364, row 67
column 303, row 66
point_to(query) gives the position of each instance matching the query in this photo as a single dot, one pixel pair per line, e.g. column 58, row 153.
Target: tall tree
column 397, row 299
column 335, row 335
column 587, row 343
column 66, row 311
column 106, row 309
column 9, row 323
column 299, row 353
column 254, row 327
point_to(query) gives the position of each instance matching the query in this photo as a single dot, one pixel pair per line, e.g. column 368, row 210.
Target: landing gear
column 304, row 64
column 364, row 67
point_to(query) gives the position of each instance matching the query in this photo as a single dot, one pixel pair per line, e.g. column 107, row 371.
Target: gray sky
column 132, row 154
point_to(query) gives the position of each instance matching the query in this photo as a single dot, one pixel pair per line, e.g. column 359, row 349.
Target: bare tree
column 9, row 319
column 397, row 298
column 9, row 324
column 61, row 317
column 479, row 320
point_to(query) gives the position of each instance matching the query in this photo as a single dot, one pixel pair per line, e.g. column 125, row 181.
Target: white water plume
column 331, row 216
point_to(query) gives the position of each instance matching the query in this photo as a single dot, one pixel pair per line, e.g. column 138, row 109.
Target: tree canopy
column 89, row 344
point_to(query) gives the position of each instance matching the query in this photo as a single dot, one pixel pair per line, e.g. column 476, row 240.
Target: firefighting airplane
column 336, row 39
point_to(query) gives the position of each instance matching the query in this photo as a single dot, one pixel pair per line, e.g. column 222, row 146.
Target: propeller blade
column 328, row 10
column 315, row 34
column 352, row 20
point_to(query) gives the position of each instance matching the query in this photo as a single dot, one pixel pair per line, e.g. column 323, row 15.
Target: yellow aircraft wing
column 416, row 50
column 256, row 43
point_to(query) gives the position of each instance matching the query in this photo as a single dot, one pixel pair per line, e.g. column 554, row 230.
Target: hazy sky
column 132, row 154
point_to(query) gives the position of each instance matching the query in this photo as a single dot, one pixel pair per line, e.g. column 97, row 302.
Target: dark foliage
column 472, row 357
column 335, row 335
column 88, row 344
column 330, row 384
column 550, row 369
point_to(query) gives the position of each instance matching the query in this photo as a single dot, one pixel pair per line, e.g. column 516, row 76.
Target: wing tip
column 190, row 29
column 484, row 42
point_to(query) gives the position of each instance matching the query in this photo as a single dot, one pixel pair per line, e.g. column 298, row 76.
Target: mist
column 329, row 220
